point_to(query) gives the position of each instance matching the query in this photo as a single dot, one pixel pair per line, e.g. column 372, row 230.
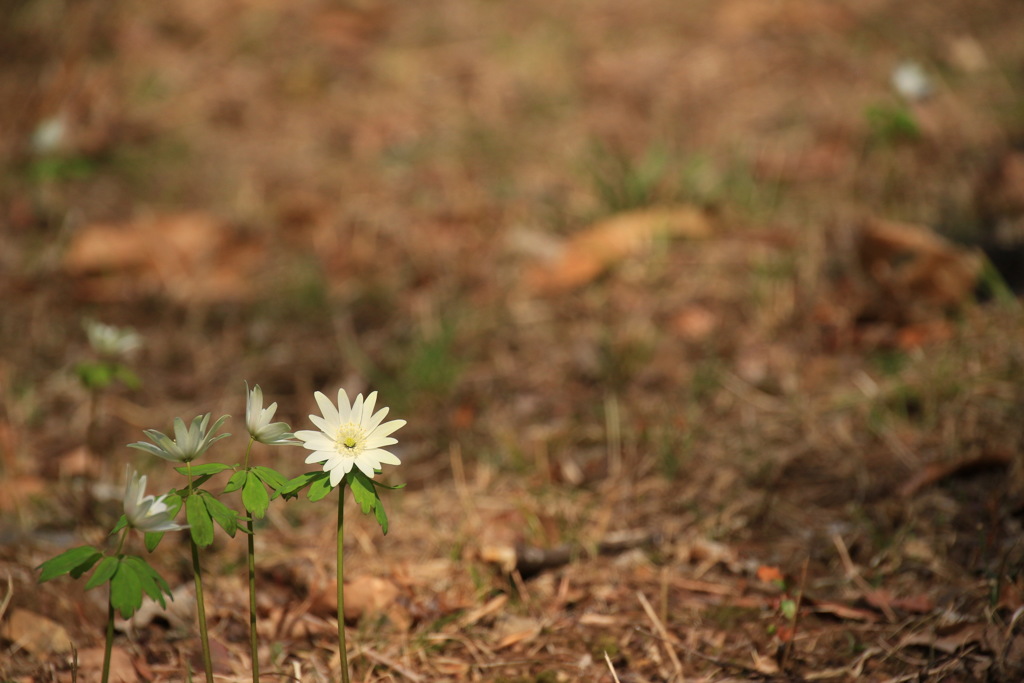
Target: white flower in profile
column 258, row 421
column 146, row 513
column 189, row 442
column 111, row 341
column 350, row 436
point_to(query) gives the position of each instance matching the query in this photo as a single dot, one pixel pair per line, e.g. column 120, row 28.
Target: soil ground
column 703, row 330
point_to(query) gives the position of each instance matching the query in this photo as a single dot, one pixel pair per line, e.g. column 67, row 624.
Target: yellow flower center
column 350, row 439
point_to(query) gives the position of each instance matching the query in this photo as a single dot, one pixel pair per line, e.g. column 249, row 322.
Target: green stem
column 201, row 607
column 108, row 649
column 110, row 640
column 342, row 649
column 254, row 639
column 197, row 576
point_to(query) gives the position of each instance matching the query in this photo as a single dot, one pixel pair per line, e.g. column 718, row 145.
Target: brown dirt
column 800, row 404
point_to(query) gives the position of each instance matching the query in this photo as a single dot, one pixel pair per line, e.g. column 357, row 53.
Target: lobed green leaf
column 236, row 481
column 382, row 517
column 151, row 582
column 206, row 469
column 105, row 570
column 320, row 487
column 271, row 478
column 362, row 490
column 200, row 520
column 126, row 590
column 292, row 487
column 152, row 538
column 255, row 497
column 222, row 514
column 75, row 561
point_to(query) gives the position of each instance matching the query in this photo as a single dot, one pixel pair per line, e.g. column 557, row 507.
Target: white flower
column 107, row 340
column 350, row 436
column 146, row 513
column 912, row 82
column 258, row 421
column 188, row 444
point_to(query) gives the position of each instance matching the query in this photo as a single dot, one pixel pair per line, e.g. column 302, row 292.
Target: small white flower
column 258, row 421
column 146, row 513
column 188, row 444
column 108, row 340
column 350, row 436
column 912, row 82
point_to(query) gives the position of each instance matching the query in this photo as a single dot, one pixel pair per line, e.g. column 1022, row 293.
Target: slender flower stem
column 109, row 647
column 342, row 650
column 254, row 640
column 110, row 640
column 197, row 576
column 201, row 607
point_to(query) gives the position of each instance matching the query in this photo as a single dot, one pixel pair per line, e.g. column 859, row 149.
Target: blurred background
column 739, row 271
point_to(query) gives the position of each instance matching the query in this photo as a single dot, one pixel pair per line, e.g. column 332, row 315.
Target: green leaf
column 127, row 377
column 271, row 478
column 236, row 481
column 319, row 488
column 121, row 523
column 199, row 519
column 126, row 590
column 95, row 376
column 382, row 517
column 788, row 609
column 104, row 571
column 151, row 582
column 222, row 514
column 152, row 539
column 75, row 561
column 362, row 490
column 255, row 497
column 395, row 487
column 291, row 488
column 206, row 469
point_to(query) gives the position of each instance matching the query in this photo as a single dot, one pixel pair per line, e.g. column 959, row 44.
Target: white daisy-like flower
column 258, row 421
column 146, row 513
column 350, row 436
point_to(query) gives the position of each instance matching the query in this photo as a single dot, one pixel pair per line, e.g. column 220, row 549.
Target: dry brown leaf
column 917, row 274
column 918, row 604
column 924, row 333
column 78, row 462
column 450, row 666
column 21, row 488
column 190, row 257
column 589, row 253
column 949, row 641
column 363, row 595
column 933, row 473
column 179, row 613
column 767, row 574
column 695, row 322
column 594, row 619
column 122, row 670
column 513, row 630
column 492, row 606
column 36, row 634
column 842, row 611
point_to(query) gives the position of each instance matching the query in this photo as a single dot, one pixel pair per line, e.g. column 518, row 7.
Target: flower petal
column 344, row 409
column 328, row 409
column 367, row 415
